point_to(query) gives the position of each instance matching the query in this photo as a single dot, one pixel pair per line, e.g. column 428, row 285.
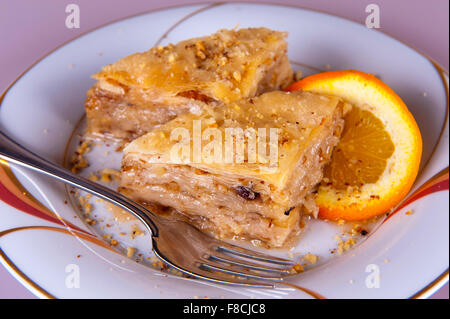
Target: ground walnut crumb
column 298, row 268
column 312, row 259
column 344, row 246
column 90, row 221
column 87, row 208
column 131, row 251
column 78, row 161
column 109, row 174
column 156, row 263
column 93, row 177
column 136, row 232
column 85, row 205
column 349, row 243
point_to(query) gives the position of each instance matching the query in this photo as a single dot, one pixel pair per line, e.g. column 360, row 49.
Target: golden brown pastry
column 256, row 189
column 146, row 89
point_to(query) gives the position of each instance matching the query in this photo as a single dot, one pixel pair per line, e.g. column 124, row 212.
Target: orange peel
column 377, row 159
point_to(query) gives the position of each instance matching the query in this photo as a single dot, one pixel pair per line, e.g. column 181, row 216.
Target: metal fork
column 175, row 242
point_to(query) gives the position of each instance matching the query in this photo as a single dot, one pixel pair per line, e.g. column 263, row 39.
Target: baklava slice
column 146, row 89
column 247, row 170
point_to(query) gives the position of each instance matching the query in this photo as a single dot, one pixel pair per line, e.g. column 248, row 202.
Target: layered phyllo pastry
column 246, row 170
column 147, row 89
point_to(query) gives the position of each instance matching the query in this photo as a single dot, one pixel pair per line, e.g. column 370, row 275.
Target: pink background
column 29, row 29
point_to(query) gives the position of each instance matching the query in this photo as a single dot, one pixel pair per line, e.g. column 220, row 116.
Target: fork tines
column 238, row 261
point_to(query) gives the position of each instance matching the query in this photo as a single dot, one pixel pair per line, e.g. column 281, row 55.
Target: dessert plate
column 50, row 247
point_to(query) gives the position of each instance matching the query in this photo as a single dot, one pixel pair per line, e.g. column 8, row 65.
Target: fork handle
column 13, row 152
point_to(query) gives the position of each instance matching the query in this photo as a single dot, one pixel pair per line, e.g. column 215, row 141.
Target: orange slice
column 377, row 159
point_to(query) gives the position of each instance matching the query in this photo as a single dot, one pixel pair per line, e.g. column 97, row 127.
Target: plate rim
column 38, row 291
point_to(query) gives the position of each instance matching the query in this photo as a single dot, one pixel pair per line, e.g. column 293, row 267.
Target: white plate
column 45, row 245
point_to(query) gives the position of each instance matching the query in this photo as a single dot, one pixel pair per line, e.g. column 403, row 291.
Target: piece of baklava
column 248, row 169
column 146, row 89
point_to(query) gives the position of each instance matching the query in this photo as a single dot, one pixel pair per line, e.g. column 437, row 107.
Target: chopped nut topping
column 78, row 161
column 312, row 259
column 237, row 76
column 93, row 178
column 90, row 221
column 344, row 246
column 136, row 232
column 87, row 208
column 109, row 174
column 298, row 268
column 201, row 55
column 130, row 252
column 200, row 46
column 106, row 178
